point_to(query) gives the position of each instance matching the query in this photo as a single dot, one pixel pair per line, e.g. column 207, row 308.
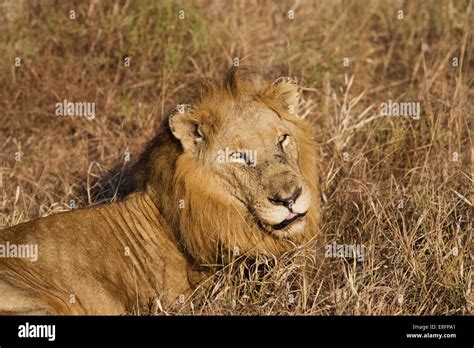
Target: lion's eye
column 284, row 140
column 198, row 135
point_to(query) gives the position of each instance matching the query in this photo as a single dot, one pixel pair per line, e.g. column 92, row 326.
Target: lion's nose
column 288, row 201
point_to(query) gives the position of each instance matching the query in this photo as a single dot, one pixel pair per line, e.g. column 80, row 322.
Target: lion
column 235, row 169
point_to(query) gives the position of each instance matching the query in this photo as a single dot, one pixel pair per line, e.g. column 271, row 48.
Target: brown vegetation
column 402, row 187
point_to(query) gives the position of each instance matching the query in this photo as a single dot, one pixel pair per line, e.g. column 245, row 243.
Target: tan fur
column 189, row 211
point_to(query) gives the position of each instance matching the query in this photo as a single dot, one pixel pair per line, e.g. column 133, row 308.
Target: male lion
column 235, row 169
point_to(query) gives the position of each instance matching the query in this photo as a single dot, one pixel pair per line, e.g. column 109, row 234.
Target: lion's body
column 106, row 260
column 188, row 211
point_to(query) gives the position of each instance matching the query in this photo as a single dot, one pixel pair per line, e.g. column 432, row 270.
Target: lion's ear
column 184, row 124
column 286, row 91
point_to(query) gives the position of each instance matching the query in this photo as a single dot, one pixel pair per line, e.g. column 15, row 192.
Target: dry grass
column 418, row 257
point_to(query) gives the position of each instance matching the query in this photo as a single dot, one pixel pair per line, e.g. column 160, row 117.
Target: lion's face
column 250, row 149
column 255, row 155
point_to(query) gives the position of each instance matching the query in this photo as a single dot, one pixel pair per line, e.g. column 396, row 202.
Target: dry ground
column 401, row 187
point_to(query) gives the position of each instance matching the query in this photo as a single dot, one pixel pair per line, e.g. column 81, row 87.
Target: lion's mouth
column 289, row 220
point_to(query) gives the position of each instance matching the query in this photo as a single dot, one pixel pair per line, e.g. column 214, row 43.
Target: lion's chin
column 295, row 228
column 293, row 225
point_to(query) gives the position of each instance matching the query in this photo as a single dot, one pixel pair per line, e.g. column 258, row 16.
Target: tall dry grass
column 399, row 186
